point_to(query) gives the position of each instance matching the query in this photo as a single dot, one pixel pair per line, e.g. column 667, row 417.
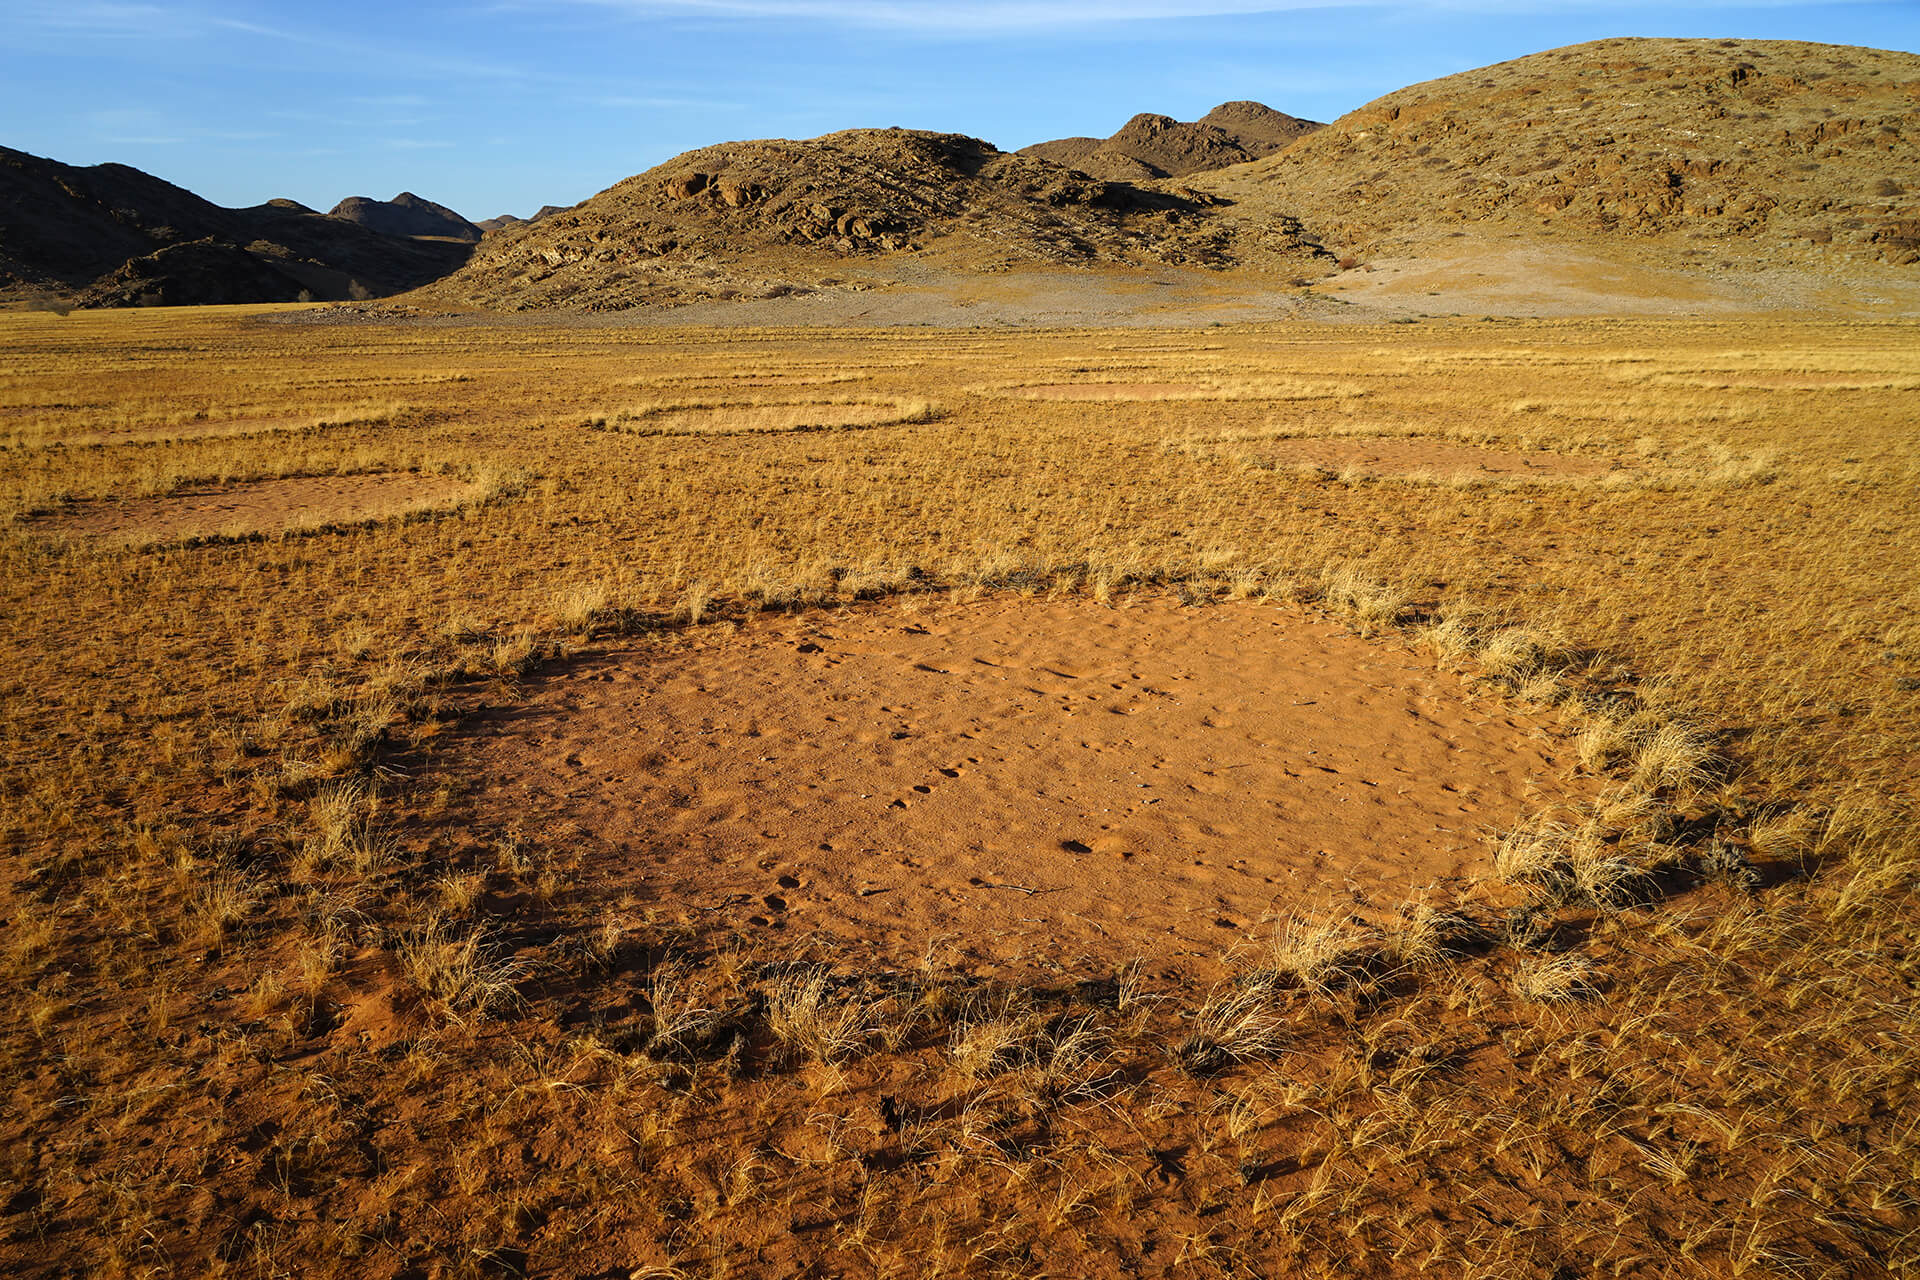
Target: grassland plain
column 287, row 993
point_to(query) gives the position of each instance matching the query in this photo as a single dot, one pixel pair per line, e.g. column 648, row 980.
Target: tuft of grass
column 577, row 609
column 341, row 818
column 462, row 972
column 222, row 903
column 1372, row 604
column 1319, row 956
column 1560, row 980
column 1672, row 757
column 1235, row 1024
column 815, row 1023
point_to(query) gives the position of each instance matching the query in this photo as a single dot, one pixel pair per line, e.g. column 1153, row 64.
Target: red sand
column 1015, row 786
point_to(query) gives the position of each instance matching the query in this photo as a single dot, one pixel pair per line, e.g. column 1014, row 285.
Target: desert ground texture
column 544, row 795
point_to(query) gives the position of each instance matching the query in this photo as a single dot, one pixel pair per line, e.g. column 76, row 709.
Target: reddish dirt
column 262, row 506
column 1014, row 786
column 1413, row 455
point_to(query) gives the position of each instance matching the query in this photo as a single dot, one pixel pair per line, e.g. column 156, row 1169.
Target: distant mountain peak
column 1151, row 145
column 406, row 215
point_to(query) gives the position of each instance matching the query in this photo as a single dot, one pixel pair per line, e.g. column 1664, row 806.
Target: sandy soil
column 1412, row 455
column 264, row 506
column 1014, row 786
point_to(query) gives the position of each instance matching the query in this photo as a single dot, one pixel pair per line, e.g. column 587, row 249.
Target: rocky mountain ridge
column 771, row 217
column 111, row 235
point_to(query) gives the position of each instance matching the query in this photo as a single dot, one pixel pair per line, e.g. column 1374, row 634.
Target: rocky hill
column 1154, row 146
column 768, row 218
column 111, row 235
column 406, row 215
column 1721, row 152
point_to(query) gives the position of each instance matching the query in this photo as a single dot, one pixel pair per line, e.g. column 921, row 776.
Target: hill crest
column 768, row 217
column 1690, row 147
column 1151, row 146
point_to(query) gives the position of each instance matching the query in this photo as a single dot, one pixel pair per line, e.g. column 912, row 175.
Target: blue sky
column 504, row 106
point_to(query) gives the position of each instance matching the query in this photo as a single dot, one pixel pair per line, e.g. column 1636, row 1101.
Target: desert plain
column 512, row 796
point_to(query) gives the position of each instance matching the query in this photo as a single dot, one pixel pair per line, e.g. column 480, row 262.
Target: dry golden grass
column 755, row 416
column 270, row 1009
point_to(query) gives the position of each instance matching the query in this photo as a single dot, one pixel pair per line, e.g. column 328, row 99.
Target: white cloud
column 955, row 16
column 987, row 16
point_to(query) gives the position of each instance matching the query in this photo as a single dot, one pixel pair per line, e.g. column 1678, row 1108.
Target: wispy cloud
column 104, row 19
column 985, row 17
column 132, row 21
column 982, row 16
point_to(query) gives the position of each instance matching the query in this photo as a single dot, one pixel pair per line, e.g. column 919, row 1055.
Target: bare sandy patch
column 1014, row 786
column 749, row 418
column 1406, row 456
column 260, row 506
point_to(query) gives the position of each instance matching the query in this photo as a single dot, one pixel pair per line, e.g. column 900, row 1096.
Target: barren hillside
column 1717, row 151
column 769, row 218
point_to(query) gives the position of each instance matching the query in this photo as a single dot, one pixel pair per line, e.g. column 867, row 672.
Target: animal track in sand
column 1034, row 785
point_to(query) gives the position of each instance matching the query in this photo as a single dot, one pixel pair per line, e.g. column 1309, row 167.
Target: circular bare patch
column 1018, row 786
column 261, row 506
column 747, row 418
column 1405, row 456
